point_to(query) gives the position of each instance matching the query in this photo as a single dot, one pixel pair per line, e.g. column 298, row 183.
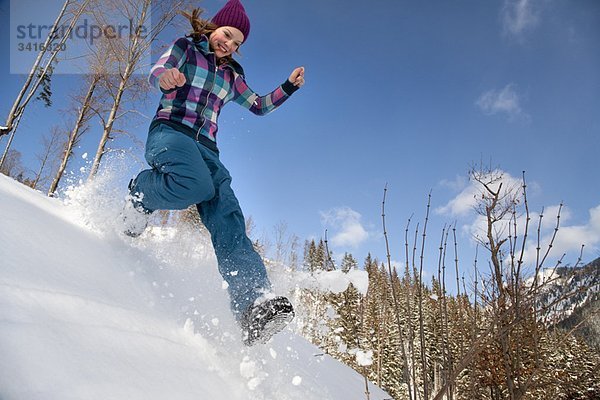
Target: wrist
column 288, row 87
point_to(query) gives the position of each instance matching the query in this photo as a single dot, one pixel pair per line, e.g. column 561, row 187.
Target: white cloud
column 518, row 16
column 506, row 101
column 569, row 238
column 459, row 183
column 346, row 225
column 462, row 204
column 465, row 201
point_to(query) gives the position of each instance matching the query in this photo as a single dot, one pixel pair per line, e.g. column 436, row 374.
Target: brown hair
column 202, row 27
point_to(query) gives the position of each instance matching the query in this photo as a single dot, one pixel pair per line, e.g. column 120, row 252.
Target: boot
column 261, row 321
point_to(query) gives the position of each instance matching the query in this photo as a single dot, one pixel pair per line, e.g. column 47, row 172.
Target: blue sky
column 407, row 93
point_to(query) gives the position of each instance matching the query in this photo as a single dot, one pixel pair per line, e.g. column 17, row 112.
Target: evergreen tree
column 313, row 321
column 347, row 306
column 439, row 332
column 45, row 94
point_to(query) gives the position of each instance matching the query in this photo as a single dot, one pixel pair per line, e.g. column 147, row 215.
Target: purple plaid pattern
column 208, row 87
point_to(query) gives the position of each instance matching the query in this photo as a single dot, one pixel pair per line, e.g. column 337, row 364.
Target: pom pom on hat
column 233, row 14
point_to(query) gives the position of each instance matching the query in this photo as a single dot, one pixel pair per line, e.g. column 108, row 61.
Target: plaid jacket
column 194, row 108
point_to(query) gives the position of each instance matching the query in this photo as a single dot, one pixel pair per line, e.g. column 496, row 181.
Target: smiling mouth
column 223, row 49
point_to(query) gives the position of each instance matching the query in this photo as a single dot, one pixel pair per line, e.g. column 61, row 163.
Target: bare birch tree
column 42, row 66
column 13, row 165
column 128, row 53
column 91, row 101
column 84, row 113
column 51, row 144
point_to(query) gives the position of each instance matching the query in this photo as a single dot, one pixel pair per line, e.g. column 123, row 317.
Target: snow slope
column 86, row 313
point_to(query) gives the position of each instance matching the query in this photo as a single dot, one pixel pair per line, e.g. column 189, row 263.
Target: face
column 225, row 40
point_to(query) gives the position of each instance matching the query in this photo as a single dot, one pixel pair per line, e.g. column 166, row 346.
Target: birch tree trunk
column 19, row 105
column 75, row 134
column 109, row 126
column 50, row 149
column 15, row 110
column 130, row 56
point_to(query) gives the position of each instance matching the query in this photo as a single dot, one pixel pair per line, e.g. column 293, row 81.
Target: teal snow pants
column 185, row 172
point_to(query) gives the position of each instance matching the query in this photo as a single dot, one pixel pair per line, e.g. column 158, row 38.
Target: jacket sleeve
column 260, row 105
column 174, row 57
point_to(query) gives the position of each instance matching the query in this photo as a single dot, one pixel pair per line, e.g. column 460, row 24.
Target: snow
column 333, row 281
column 86, row 313
column 364, row 358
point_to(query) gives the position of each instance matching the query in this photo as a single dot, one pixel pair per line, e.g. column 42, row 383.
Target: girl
column 197, row 76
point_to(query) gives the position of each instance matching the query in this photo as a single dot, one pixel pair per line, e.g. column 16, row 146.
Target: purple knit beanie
column 233, row 14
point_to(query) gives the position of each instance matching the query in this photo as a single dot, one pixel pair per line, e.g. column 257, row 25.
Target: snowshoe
column 264, row 320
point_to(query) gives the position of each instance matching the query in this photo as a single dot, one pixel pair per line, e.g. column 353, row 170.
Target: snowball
column 247, row 368
column 253, row 383
column 330, row 313
column 364, row 358
column 188, row 327
column 296, row 380
column 250, row 371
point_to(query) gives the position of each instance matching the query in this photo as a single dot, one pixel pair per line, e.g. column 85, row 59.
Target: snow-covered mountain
column 585, row 315
column 88, row 314
column 573, row 298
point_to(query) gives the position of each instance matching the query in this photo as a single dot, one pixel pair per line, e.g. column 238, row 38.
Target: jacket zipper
column 212, row 86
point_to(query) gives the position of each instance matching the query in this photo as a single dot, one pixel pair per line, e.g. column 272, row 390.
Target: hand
column 297, row 77
column 171, row 79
